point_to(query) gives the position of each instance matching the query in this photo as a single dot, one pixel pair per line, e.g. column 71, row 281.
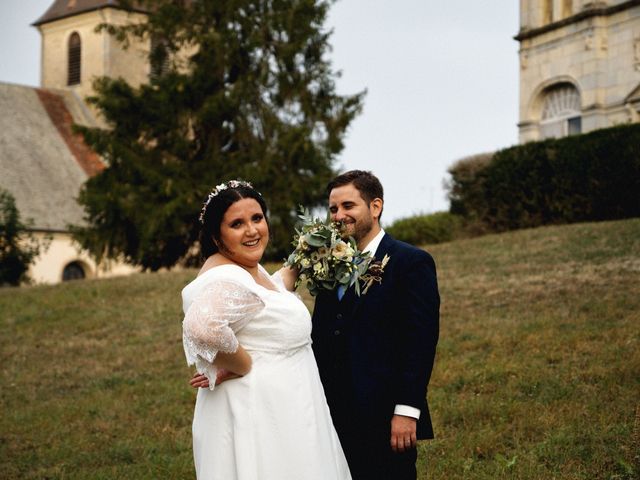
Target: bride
column 267, row 418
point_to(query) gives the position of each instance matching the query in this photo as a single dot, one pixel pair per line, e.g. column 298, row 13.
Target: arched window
column 73, row 271
column 561, row 110
column 74, row 59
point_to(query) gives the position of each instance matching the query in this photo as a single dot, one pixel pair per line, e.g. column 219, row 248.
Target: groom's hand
column 403, row 433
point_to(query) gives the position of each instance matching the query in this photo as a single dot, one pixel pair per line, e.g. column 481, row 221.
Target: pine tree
column 246, row 91
column 18, row 248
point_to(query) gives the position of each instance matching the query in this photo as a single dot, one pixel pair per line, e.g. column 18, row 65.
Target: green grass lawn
column 537, row 374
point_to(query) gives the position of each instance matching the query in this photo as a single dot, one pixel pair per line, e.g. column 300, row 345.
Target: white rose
column 340, row 250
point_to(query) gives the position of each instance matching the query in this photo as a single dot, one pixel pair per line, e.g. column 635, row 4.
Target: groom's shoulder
column 407, row 251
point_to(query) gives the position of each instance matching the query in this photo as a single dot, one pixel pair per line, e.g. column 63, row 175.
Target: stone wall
column 599, row 54
column 101, row 54
column 49, row 266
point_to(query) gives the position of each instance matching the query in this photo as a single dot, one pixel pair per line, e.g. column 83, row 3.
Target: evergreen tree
column 17, row 248
column 246, row 91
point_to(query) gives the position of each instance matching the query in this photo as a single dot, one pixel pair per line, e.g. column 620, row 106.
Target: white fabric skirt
column 272, row 424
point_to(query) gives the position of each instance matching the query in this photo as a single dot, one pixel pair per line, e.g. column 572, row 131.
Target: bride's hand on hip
column 224, row 375
column 199, row 381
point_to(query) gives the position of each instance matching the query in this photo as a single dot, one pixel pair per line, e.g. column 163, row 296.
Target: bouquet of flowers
column 325, row 260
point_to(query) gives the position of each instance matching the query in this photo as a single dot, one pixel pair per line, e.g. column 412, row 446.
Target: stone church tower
column 43, row 162
column 74, row 54
column 579, row 66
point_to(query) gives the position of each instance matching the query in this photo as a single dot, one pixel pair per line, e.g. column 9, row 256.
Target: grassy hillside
column 537, row 374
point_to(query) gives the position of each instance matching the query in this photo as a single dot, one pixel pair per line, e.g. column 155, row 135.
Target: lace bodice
column 225, row 307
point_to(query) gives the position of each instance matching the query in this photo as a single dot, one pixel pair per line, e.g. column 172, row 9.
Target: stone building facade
column 579, row 66
column 43, row 163
column 74, row 54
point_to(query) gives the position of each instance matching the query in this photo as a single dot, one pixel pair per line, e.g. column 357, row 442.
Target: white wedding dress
column 273, row 423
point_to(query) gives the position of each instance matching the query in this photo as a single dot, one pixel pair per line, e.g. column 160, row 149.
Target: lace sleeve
column 212, row 320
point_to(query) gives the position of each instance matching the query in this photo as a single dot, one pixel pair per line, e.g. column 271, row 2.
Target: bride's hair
column 215, row 208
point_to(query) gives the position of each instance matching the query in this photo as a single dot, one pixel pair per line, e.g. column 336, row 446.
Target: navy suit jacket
column 377, row 350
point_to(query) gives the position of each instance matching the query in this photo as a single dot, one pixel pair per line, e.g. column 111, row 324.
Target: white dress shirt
column 404, row 410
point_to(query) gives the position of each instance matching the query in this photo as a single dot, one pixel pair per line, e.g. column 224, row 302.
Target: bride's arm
column 209, row 330
column 238, row 362
column 200, row 380
column 289, row 276
column 230, row 365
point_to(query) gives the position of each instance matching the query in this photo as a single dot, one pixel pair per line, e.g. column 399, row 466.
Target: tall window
column 561, row 112
column 74, row 59
column 159, row 57
column 547, row 11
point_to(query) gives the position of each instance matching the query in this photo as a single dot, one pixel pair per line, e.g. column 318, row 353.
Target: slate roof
column 42, row 163
column 67, row 8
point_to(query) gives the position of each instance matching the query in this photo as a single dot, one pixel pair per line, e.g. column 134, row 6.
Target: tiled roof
column 66, row 8
column 42, row 163
column 62, row 118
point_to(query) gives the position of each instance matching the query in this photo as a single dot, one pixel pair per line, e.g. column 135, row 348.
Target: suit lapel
column 379, row 254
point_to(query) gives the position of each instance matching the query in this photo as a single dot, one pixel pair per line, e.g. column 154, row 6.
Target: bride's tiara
column 218, row 189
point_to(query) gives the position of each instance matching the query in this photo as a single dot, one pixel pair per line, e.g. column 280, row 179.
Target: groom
column 375, row 352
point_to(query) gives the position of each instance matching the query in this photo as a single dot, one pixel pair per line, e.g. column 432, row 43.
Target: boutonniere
column 374, row 273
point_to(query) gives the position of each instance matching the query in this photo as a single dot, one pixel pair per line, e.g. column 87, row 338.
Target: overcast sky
column 441, row 77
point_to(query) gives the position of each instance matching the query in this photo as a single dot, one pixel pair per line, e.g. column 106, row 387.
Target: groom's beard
column 358, row 229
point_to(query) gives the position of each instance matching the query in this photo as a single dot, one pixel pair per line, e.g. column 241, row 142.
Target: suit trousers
column 370, row 460
column 370, row 456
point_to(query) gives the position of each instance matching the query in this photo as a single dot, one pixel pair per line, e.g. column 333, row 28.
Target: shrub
column 466, row 184
column 466, row 191
column 426, row 229
column 595, row 176
column 15, row 254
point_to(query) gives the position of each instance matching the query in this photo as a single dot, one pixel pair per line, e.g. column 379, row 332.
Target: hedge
column 590, row 177
column 426, row 229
